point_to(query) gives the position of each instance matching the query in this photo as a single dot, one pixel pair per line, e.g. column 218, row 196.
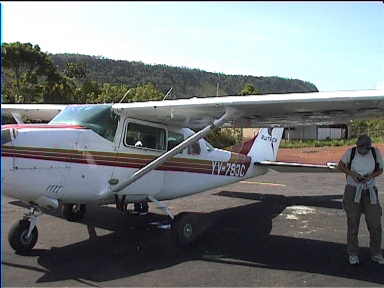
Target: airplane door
column 140, row 143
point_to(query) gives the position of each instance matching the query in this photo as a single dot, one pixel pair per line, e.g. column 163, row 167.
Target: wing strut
column 161, row 206
column 166, row 156
column 17, row 117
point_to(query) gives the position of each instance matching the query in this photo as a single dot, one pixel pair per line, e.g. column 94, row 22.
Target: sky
column 334, row 45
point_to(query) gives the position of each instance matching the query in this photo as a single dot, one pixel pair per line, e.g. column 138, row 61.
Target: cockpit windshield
column 99, row 118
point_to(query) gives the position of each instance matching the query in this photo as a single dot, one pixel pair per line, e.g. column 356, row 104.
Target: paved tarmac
column 274, row 230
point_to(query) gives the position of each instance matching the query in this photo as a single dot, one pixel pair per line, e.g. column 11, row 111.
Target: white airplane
column 146, row 151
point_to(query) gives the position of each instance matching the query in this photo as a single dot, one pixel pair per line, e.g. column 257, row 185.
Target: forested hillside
column 186, row 82
column 32, row 76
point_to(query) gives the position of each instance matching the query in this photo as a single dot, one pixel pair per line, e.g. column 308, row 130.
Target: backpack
column 373, row 151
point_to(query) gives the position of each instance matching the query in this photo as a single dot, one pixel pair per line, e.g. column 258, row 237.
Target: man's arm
column 375, row 174
column 356, row 176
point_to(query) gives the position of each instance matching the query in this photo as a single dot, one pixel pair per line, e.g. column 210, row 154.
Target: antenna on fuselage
column 169, row 92
column 125, row 95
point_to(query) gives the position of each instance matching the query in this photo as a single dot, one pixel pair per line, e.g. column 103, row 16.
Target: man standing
column 362, row 164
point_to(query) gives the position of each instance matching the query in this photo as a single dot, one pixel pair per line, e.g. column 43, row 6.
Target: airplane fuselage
column 74, row 164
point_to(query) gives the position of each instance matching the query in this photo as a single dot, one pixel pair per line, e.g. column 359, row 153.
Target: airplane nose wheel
column 23, row 234
column 73, row 212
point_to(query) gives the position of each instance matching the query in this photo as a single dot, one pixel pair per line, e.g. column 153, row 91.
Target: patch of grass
column 324, row 143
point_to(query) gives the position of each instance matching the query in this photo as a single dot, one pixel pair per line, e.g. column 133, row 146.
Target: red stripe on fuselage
column 106, row 160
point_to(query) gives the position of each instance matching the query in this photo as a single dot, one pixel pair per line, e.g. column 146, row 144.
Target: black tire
column 185, row 229
column 17, row 237
column 73, row 212
column 141, row 207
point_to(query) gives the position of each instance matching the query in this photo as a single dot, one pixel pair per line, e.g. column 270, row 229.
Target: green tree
column 373, row 128
column 76, row 70
column 8, row 87
column 146, row 92
column 224, row 137
column 31, row 75
column 58, row 89
column 111, row 93
column 114, row 93
column 249, row 89
column 88, row 93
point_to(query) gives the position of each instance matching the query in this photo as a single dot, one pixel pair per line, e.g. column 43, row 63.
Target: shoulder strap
column 353, row 152
column 373, row 151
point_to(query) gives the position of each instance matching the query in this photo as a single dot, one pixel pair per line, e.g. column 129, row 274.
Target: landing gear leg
column 121, row 204
column 73, row 212
column 161, row 206
column 23, row 234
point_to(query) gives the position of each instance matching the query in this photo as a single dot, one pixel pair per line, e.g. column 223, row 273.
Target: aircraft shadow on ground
column 236, row 236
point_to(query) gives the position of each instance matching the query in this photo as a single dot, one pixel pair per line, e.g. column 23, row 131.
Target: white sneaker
column 354, row 260
column 378, row 259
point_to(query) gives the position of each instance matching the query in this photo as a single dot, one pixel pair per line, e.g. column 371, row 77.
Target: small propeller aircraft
column 146, row 152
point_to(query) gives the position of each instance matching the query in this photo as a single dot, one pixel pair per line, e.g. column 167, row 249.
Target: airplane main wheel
column 141, row 207
column 18, row 237
column 73, row 212
column 185, row 229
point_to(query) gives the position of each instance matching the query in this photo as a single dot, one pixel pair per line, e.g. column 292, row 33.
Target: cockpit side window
column 174, row 139
column 194, row 148
column 145, row 136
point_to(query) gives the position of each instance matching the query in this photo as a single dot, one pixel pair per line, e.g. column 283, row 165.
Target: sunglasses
column 364, row 146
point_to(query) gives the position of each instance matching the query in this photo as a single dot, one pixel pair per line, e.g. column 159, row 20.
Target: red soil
column 316, row 155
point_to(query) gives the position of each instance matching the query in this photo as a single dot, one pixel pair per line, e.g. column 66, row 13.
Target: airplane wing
column 35, row 112
column 271, row 110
